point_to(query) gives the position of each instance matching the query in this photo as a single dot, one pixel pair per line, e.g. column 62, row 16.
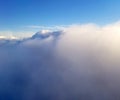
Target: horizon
column 29, row 16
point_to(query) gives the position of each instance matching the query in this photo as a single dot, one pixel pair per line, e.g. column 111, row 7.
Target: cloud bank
column 80, row 62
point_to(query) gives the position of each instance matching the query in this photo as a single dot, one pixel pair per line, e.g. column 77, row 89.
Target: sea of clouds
column 80, row 62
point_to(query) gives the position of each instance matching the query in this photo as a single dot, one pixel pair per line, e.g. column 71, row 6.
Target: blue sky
column 16, row 14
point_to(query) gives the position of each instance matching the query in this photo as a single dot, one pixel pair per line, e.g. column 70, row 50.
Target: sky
column 20, row 15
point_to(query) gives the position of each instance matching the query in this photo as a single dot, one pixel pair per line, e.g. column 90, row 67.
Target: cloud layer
column 80, row 62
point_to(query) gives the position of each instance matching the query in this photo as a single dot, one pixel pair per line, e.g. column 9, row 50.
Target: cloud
column 15, row 34
column 8, row 37
column 59, row 27
column 79, row 62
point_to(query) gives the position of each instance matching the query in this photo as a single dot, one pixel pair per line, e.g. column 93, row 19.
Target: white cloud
column 92, row 37
column 15, row 34
column 7, row 35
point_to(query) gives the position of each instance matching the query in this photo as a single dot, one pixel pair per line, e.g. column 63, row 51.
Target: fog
column 80, row 62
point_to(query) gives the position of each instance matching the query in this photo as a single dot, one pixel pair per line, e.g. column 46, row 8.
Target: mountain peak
column 45, row 34
column 41, row 34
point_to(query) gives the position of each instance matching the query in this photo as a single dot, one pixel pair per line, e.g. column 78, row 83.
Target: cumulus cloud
column 79, row 62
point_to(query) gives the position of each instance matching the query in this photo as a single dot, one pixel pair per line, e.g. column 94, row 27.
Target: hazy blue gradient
column 15, row 14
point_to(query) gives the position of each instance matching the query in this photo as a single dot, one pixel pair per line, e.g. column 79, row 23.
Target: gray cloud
column 80, row 62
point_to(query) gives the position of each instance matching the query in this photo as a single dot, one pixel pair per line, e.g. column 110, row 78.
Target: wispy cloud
column 59, row 27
